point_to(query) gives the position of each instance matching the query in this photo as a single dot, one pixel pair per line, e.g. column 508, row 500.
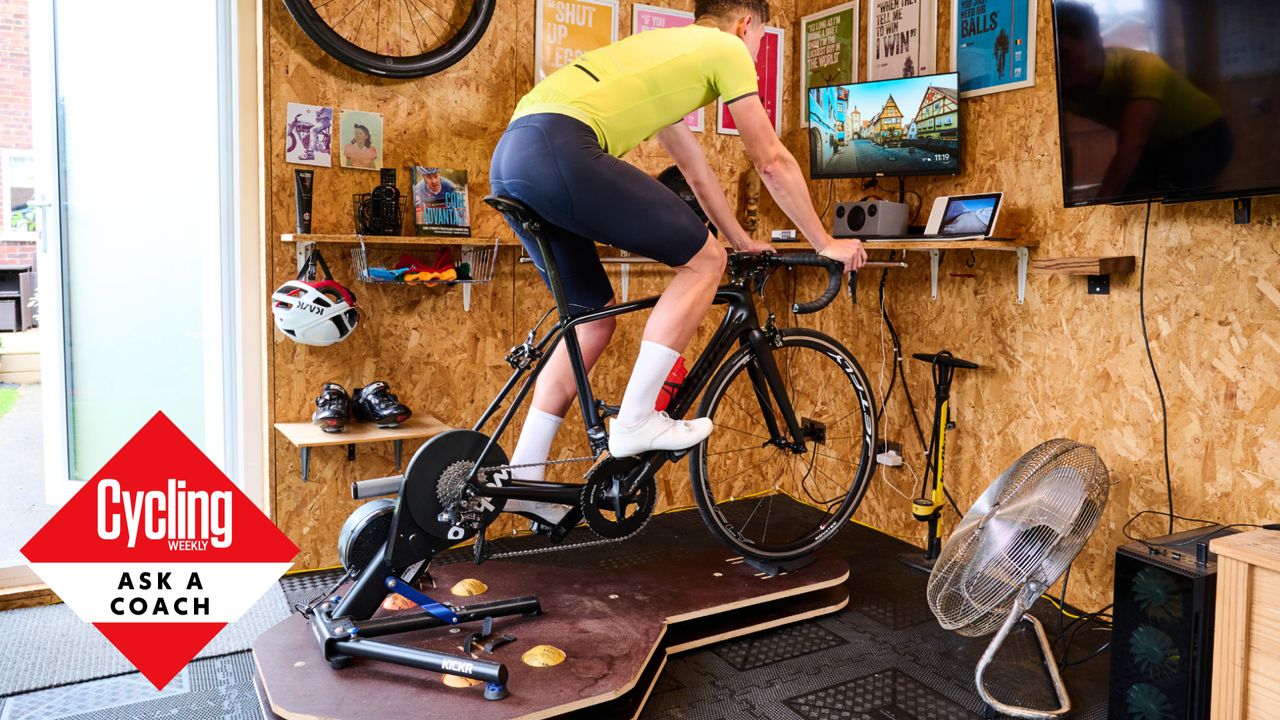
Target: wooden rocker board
column 617, row 628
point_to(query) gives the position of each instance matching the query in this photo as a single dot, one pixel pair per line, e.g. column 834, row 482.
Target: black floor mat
column 883, row 657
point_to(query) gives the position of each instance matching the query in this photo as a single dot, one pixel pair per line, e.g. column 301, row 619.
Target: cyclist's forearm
column 715, row 204
column 785, row 182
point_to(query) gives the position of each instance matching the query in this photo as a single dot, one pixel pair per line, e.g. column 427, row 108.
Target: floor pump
column 933, row 493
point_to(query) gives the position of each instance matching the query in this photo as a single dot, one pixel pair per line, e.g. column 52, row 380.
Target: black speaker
column 869, row 217
column 1162, row 637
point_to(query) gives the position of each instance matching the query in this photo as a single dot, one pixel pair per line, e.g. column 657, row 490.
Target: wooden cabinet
column 1246, row 645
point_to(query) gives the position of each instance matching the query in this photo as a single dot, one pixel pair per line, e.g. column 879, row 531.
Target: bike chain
column 556, row 548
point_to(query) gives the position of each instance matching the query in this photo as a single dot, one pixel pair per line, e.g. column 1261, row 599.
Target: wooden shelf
column 305, row 436
column 395, row 240
column 1021, row 248
column 1084, row 265
column 986, row 244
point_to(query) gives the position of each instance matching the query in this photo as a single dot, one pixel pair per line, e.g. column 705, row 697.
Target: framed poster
column 828, row 51
column 566, row 29
column 993, row 45
column 648, row 17
column 902, row 38
column 769, row 77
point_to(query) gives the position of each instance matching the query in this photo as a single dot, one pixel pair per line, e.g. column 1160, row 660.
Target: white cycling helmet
column 314, row 313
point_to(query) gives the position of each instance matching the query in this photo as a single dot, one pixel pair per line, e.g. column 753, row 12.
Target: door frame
column 243, row 423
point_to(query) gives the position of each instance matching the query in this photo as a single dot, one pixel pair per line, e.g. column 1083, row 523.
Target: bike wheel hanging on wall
column 394, row 38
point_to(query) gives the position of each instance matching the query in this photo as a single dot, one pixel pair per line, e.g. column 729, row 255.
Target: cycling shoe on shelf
column 333, row 408
column 657, row 432
column 376, row 404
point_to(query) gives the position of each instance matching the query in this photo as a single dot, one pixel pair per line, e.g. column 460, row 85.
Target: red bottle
column 674, row 380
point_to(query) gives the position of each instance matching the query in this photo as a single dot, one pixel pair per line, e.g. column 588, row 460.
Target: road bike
column 794, row 422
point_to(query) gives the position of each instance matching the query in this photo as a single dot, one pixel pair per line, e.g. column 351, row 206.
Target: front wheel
column 760, row 496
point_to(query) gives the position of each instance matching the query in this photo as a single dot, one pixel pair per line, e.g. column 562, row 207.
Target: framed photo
column 769, row 76
column 828, row 51
column 993, row 45
column 566, row 29
column 360, row 136
column 308, row 134
column 648, row 17
column 902, row 38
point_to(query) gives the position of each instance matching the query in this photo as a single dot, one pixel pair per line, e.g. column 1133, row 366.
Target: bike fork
column 767, row 381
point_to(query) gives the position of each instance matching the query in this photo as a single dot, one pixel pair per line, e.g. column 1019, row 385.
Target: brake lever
column 853, row 287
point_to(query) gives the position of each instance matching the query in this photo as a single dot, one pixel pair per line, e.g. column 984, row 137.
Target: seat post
column 534, row 228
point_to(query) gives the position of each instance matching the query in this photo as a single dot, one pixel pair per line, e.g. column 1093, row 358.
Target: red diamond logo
column 159, row 551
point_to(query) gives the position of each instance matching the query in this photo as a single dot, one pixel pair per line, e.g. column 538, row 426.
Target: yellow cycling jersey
column 1133, row 74
column 631, row 89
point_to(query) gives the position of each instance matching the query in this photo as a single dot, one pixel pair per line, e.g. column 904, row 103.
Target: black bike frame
column 740, row 326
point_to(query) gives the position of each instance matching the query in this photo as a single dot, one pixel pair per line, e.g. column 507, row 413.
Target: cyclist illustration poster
column 308, row 134
column 440, row 201
column 769, row 78
column 993, row 45
column 648, row 17
column 828, row 50
column 902, row 38
column 361, row 140
column 568, row 28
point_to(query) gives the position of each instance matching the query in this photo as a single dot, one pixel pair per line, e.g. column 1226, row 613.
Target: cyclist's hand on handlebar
column 751, row 245
column 849, row 252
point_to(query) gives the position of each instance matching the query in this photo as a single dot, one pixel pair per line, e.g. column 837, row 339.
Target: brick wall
column 15, row 76
column 17, row 252
column 15, row 105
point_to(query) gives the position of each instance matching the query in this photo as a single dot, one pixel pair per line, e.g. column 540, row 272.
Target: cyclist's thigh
column 620, row 205
column 526, row 167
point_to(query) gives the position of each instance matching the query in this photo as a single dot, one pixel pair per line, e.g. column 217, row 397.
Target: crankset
column 613, row 507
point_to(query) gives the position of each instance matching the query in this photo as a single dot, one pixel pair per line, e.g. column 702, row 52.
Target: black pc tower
column 1162, row 636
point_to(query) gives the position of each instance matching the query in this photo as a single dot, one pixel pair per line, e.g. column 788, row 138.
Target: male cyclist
column 560, row 156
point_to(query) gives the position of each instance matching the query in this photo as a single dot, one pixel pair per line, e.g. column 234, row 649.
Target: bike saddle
column 945, row 359
column 513, row 209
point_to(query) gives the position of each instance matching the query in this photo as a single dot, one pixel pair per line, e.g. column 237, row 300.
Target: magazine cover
column 440, row 201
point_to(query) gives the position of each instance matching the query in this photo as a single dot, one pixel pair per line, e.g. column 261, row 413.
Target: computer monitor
column 903, row 126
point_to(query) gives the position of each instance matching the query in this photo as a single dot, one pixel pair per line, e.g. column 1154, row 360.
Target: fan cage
column 1020, row 536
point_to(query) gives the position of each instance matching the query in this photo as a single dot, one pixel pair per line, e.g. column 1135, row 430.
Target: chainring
column 610, row 512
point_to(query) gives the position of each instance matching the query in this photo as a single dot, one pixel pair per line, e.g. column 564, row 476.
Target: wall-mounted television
column 902, row 126
column 1168, row 100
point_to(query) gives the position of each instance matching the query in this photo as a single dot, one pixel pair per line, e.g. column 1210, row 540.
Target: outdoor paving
column 22, row 503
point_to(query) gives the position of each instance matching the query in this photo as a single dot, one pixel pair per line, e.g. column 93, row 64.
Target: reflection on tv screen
column 1167, row 99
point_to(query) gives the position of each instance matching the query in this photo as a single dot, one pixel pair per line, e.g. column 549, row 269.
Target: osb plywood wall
column 1063, row 364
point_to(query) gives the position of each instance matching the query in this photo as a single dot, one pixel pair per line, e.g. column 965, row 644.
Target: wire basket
column 472, row 264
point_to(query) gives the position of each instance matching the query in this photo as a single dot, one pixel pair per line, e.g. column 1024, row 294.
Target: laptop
column 955, row 217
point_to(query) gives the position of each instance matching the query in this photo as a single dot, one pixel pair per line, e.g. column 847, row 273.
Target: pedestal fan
column 1015, row 542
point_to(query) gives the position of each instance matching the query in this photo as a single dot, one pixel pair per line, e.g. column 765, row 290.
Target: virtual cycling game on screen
column 903, row 126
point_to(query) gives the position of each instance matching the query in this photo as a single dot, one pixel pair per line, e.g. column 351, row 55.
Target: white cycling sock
column 652, row 367
column 534, row 444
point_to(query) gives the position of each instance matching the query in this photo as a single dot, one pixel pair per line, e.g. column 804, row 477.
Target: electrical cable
column 899, row 371
column 1207, row 524
column 831, row 190
column 1146, row 341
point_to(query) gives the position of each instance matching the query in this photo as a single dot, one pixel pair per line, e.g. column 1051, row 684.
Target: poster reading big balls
column 993, row 45
column 769, row 76
column 569, row 28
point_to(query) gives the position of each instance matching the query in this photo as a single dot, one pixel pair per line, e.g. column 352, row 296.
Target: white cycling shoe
column 657, row 432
